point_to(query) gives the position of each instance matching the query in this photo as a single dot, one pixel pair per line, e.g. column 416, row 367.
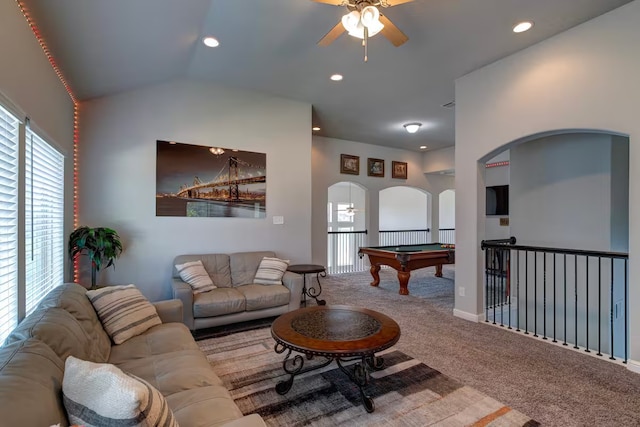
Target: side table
column 310, row 290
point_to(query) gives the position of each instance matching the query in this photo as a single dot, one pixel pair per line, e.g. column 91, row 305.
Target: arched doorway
column 404, row 216
column 346, row 226
column 447, row 217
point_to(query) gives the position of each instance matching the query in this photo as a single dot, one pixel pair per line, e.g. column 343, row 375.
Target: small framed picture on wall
column 349, row 164
column 399, row 170
column 375, row 167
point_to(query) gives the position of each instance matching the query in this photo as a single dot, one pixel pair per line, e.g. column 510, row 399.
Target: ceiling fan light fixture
column 412, row 127
column 355, row 22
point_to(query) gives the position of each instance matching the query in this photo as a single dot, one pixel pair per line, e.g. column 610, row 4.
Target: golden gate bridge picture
column 199, row 181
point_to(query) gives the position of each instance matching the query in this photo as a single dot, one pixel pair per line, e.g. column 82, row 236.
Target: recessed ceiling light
column 172, row 142
column 412, row 127
column 336, row 77
column 315, row 128
column 423, row 147
column 521, row 27
column 211, row 41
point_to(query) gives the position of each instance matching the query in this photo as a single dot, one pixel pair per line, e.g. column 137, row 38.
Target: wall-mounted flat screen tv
column 498, row 200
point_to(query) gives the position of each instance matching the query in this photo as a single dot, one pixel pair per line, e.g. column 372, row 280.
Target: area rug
column 406, row 393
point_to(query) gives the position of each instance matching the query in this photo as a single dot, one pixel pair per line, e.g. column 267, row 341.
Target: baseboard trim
column 633, row 366
column 468, row 316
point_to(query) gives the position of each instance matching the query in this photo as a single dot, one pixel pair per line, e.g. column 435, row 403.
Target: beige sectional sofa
column 236, row 298
column 65, row 323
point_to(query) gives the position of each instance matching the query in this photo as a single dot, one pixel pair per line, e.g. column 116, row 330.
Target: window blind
column 9, row 134
column 44, row 219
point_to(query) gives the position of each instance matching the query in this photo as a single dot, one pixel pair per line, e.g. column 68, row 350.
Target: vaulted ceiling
column 109, row 46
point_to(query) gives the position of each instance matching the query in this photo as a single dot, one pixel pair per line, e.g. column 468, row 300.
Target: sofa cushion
column 31, row 385
column 160, row 339
column 59, row 330
column 123, row 311
column 72, row 298
column 195, row 407
column 244, row 266
column 270, row 271
column 264, row 296
column 101, row 394
column 173, row 372
column 196, row 276
column 217, row 265
column 218, row 302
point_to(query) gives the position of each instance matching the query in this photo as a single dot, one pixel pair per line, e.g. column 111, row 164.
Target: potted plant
column 102, row 245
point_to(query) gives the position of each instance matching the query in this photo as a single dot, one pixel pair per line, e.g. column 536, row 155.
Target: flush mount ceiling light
column 412, row 127
column 336, row 77
column 211, row 41
column 521, row 27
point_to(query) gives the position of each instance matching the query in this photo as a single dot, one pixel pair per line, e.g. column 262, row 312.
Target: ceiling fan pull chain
column 365, row 44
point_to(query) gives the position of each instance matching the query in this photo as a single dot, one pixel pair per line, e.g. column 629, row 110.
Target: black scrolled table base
column 314, row 293
column 358, row 372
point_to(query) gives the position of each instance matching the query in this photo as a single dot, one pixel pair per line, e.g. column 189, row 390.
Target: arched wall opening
column 346, row 225
column 447, row 216
column 404, row 216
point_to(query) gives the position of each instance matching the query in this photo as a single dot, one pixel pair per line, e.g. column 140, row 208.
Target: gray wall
column 118, row 175
column 581, row 79
column 326, row 172
column 29, row 83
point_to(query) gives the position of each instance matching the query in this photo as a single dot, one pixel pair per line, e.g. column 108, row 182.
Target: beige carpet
column 406, row 393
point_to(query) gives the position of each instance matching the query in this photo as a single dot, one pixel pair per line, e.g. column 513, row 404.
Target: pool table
column 405, row 258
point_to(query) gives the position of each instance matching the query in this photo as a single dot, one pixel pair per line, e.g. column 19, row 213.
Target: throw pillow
column 270, row 271
column 196, row 276
column 100, row 394
column 123, row 311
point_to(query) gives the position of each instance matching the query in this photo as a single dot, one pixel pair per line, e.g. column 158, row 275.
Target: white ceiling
column 108, row 46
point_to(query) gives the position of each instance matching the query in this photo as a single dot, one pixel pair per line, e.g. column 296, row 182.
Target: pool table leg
column 403, row 278
column 439, row 270
column 375, row 268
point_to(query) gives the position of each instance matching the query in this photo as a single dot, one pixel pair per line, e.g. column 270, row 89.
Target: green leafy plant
column 102, row 245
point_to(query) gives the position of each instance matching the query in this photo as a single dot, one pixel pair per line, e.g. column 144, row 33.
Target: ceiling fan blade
column 390, row 31
column 336, row 2
column 393, row 2
column 333, row 34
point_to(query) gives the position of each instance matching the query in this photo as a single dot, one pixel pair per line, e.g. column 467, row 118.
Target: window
column 44, row 219
column 9, row 139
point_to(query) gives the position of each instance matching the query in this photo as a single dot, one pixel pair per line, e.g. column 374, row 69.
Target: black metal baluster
column 508, row 255
column 526, row 292
column 575, row 314
column 493, row 276
column 486, row 284
column 586, row 263
column 626, row 319
column 502, row 287
column 611, row 356
column 565, row 300
column 599, row 353
column 544, row 296
column 535, row 294
column 554, row 297
column 518, row 285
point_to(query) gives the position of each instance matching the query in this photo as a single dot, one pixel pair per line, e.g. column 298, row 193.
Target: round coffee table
column 339, row 332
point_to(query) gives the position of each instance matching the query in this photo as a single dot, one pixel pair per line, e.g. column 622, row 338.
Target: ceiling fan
column 364, row 20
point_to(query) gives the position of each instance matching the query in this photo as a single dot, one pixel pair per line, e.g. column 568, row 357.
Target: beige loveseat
column 65, row 323
column 236, row 298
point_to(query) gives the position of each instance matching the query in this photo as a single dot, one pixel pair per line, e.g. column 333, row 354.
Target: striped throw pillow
column 100, row 394
column 196, row 276
column 123, row 311
column 270, row 271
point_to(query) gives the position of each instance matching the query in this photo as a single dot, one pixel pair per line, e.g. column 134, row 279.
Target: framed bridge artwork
column 199, row 181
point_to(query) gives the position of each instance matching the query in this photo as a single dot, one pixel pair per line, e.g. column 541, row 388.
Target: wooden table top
column 335, row 331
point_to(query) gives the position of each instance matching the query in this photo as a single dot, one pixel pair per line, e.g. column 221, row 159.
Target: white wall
column 448, row 209
column 403, row 208
column 29, row 83
column 560, row 192
column 326, row 172
column 118, row 175
column 439, row 160
column 584, row 78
